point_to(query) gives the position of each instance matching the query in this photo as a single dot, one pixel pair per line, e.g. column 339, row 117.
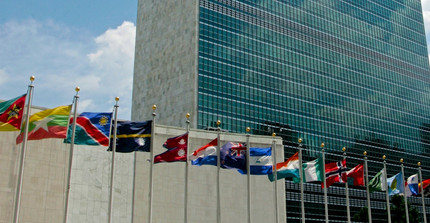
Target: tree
column 398, row 213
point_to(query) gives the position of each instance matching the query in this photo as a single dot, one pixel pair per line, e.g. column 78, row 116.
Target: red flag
column 177, row 150
column 11, row 113
column 426, row 183
column 357, row 174
column 335, row 173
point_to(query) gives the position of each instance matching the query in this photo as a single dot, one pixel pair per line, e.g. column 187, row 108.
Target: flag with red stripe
column 335, row 173
column 91, row 129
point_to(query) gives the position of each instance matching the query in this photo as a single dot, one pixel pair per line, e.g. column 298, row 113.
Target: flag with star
column 91, row 129
column 11, row 113
column 50, row 123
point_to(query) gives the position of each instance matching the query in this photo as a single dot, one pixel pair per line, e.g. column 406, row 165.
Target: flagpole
column 302, row 194
column 23, row 150
column 151, row 159
column 248, row 173
column 404, row 193
column 369, row 211
column 275, row 174
column 348, row 212
column 386, row 189
column 218, row 164
column 325, row 185
column 112, row 169
column 134, row 187
column 186, row 170
column 72, row 144
column 422, row 192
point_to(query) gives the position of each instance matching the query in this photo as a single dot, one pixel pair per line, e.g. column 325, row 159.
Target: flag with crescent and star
column 11, row 113
column 50, row 123
column 91, row 129
column 176, row 150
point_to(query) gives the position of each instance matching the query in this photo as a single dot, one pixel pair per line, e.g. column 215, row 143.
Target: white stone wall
column 169, row 186
column 166, row 61
column 45, row 177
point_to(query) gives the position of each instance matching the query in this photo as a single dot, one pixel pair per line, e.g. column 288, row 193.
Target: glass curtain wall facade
column 349, row 73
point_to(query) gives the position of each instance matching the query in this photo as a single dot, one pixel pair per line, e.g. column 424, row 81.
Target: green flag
column 378, row 183
column 312, row 171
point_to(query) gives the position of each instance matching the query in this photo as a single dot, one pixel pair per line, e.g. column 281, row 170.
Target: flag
column 233, row 156
column 396, row 184
column 11, row 113
column 426, row 187
column 91, row 129
column 378, row 182
column 356, row 175
column 133, row 136
column 289, row 168
column 335, row 173
column 206, row 155
column 50, row 123
column 412, row 185
column 312, row 171
column 176, row 150
column 260, row 161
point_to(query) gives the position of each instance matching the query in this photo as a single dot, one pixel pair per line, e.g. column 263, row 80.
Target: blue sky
column 66, row 43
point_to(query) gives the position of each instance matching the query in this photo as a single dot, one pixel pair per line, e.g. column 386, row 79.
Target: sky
column 67, row 43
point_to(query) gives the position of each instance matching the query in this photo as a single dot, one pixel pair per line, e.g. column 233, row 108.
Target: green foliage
column 398, row 213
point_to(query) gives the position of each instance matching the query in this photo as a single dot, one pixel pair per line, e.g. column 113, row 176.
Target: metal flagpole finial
column 384, row 157
column 153, row 110
column 419, row 163
column 218, row 123
column 365, row 153
column 401, row 160
column 248, row 129
column 300, row 140
column 322, row 146
column 273, row 134
column 77, row 89
column 344, row 149
column 188, row 118
column 32, row 78
column 116, row 99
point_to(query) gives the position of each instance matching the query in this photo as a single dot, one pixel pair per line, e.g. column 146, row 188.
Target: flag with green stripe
column 50, row 123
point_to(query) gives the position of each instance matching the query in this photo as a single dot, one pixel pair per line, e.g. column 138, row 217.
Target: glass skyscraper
column 349, row 73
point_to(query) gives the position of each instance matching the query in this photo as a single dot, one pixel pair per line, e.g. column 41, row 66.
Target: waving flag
column 50, row 123
column 91, row 129
column 289, row 168
column 233, row 156
column 312, row 171
column 133, row 136
column 378, row 182
column 412, row 185
column 426, row 187
column 206, row 155
column 396, row 184
column 11, row 113
column 260, row 161
column 335, row 173
column 177, row 150
column 356, row 175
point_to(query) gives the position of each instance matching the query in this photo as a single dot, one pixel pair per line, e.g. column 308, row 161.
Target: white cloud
column 3, row 77
column 62, row 58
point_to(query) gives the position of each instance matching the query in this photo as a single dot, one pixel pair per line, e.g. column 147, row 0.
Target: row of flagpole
column 367, row 188
column 150, row 197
